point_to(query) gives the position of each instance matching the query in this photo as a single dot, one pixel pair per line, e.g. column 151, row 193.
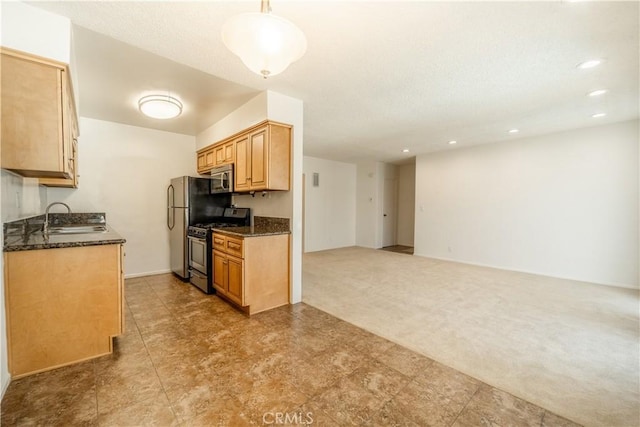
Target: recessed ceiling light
column 589, row 64
column 405, row 150
column 598, row 115
column 598, row 92
column 453, row 142
column 514, row 130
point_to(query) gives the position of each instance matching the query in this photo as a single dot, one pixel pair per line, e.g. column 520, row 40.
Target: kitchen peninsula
column 63, row 290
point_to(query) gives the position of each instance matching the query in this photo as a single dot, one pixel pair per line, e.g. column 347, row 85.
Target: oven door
column 198, row 254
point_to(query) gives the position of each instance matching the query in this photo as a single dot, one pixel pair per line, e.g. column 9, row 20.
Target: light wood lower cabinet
column 252, row 272
column 62, row 305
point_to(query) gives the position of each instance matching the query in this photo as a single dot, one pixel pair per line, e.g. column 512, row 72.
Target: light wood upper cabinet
column 225, row 153
column 261, row 156
column 39, row 122
column 263, row 159
column 218, row 154
column 206, row 160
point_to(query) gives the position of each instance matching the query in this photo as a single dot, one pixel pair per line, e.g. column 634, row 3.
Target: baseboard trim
column 537, row 273
column 148, row 273
column 5, row 386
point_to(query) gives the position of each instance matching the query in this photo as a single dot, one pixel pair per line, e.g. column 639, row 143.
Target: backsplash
column 21, row 197
column 271, row 222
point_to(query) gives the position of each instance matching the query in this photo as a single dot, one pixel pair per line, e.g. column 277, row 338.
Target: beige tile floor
column 191, row 359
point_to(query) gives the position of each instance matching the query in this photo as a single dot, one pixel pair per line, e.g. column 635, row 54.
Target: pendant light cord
column 265, row 7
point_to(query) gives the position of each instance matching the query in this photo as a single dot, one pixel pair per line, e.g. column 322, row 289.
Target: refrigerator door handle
column 171, row 221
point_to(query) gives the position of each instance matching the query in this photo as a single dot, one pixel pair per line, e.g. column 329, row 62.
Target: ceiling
column 377, row 77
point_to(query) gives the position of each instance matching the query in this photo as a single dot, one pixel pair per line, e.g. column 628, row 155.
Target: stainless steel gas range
column 201, row 248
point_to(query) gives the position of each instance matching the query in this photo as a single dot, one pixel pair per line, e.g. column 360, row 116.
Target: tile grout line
column 465, row 405
column 155, row 369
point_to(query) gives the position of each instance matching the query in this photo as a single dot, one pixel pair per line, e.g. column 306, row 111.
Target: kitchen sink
column 77, row 229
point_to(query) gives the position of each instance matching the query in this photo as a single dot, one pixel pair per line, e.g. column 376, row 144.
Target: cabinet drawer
column 234, row 247
column 219, row 242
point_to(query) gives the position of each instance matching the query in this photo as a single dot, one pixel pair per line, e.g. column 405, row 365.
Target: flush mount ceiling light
column 598, row 115
column 598, row 92
column 453, row 142
column 160, row 106
column 514, row 130
column 267, row 44
column 405, row 150
column 589, row 64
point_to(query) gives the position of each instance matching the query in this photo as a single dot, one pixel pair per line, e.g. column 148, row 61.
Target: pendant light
column 267, row 44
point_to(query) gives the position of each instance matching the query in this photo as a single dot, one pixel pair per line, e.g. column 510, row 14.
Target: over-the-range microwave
column 222, row 179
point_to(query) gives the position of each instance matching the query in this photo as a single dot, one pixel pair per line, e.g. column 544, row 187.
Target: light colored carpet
column 570, row 347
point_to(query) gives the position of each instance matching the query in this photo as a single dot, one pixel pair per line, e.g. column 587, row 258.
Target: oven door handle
column 197, row 239
column 197, row 273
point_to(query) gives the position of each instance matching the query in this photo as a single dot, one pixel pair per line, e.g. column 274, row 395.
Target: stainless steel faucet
column 45, row 227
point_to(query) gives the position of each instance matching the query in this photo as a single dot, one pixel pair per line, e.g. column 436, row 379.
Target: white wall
column 406, row 203
column 21, row 197
column 250, row 113
column 124, row 171
column 563, row 205
column 36, row 31
column 330, row 208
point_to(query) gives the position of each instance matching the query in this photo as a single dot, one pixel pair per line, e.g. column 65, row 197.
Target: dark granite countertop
column 262, row 226
column 26, row 234
column 252, row 231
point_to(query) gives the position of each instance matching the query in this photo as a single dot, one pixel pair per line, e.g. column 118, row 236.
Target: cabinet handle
column 233, row 245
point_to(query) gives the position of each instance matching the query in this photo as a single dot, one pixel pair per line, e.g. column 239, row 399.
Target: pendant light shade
column 267, row 44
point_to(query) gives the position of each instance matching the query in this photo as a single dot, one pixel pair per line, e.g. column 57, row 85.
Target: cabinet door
column 235, row 277
column 219, row 155
column 259, row 159
column 32, row 111
column 243, row 159
column 229, row 151
column 210, row 159
column 67, row 127
column 206, row 160
column 220, row 271
column 202, row 162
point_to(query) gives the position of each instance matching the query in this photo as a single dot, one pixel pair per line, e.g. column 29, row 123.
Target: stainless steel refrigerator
column 189, row 202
